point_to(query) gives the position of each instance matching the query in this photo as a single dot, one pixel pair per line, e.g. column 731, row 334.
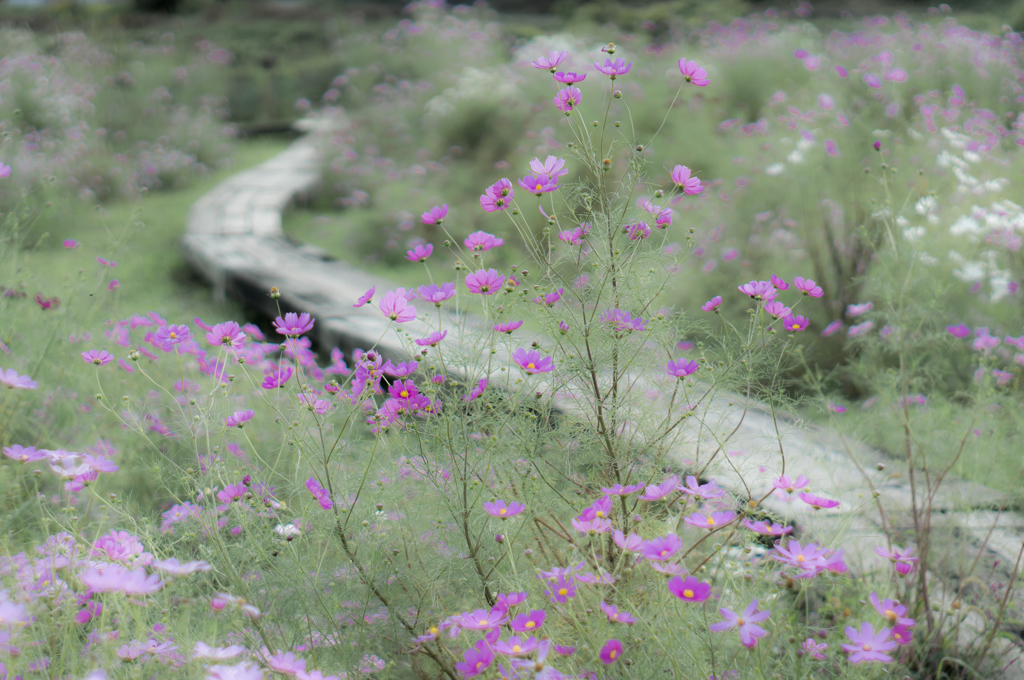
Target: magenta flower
column 484, row 282
column 276, row 377
column 296, row 324
column 592, row 526
column 759, row 290
column 902, row 635
column 691, row 186
column 239, row 418
column 615, row 616
column 436, row 294
column 25, row 454
column 476, row 659
column 795, row 324
column 68, row 243
column 100, row 357
column 551, row 61
column 117, row 578
column 497, row 196
column 516, row 646
column 868, row 645
column 899, row 557
column 539, row 184
column 569, row 78
column 365, row 297
column 619, row 490
column 228, row 334
column 815, row 650
column 476, row 391
column 894, row 613
column 532, row 362
column 693, row 73
column 498, row 508
column 432, row 340
column 173, row 335
column 612, row 649
column 788, row 485
column 509, row 327
column 631, row 543
column 708, row 491
column 397, row 308
column 623, row 322
column 808, row 287
column 832, row 328
column 561, row 590
column 567, row 99
column 638, row 231
column 322, row 495
column 818, row 502
column 661, row 549
column 528, row 623
column 613, row 69
column 809, row 558
column 959, row 331
column 710, row 521
column 420, row 253
column 712, row 305
column 482, row 619
column 482, row 241
column 746, row 622
column 680, row 368
column 655, row 492
column 553, row 166
column 689, row 589
column 435, row 215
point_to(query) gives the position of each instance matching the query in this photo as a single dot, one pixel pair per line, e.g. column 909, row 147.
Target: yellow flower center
column 483, row 622
column 664, row 552
column 173, row 335
column 711, row 521
column 612, row 654
column 740, row 621
column 562, row 591
column 687, row 593
column 404, row 393
column 530, row 365
column 867, row 648
column 891, row 615
column 531, row 624
column 599, row 513
column 516, row 648
column 502, row 511
column 799, row 558
column 433, row 630
column 539, row 185
column 479, row 664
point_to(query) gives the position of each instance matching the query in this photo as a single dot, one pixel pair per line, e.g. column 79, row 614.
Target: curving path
column 234, row 240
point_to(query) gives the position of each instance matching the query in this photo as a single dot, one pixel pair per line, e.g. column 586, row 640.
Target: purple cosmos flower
column 809, row 558
column 680, row 368
column 591, row 526
column 117, row 578
column 813, row 649
column 655, row 492
column 100, row 357
column 508, row 327
column 322, row 495
column 857, row 310
column 497, row 196
column 239, row 418
column 901, row 635
column 832, row 328
column 539, row 184
column 708, row 491
column 567, row 99
column 498, row 508
column 693, row 73
column 569, row 78
column 482, row 241
column 435, row 215
column 228, row 334
column 25, row 454
column 712, row 305
column 631, row 543
column 897, row 555
column 613, row 69
column 615, row 616
column 482, row 619
column 868, row 645
column 532, row 362
column 612, row 649
column 485, row 282
column 5, row 171
column 528, row 623
column 894, row 613
column 516, row 646
column 296, row 324
column 959, row 331
column 689, row 589
column 561, row 590
column 172, row 335
column 365, row 297
column 746, row 622
column 619, row 490
column 432, row 340
column 710, row 521
column 436, row 294
column 553, row 166
column 808, row 287
column 777, row 309
column 551, row 61
column 476, row 391
column 691, row 186
column 818, row 502
column 765, row 529
column 795, row 324
column 397, row 308
column 476, row 659
column 420, row 253
column 759, row 290
column 661, row 549
column 788, row 485
column 551, row 298
column 276, row 377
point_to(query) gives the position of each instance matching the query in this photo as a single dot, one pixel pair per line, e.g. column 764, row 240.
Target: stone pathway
column 235, row 241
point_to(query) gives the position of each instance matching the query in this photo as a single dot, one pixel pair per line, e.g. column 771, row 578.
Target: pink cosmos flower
column 551, row 61
column 777, row 309
column 435, row 215
column 746, row 622
column 508, row 327
column 813, row 649
column 283, row 662
column 612, row 649
column 100, row 357
column 894, row 613
column 808, row 287
column 712, row 305
column 528, row 623
column 295, row 324
column 516, row 646
column 759, row 290
column 591, row 526
column 655, row 492
column 832, row 328
column 809, row 558
column 615, row 616
column 113, row 285
column 497, row 196
column 762, row 527
column 25, row 454
column 569, row 78
column 689, row 589
column 691, row 186
column 532, row 362
column 710, row 521
column 482, row 241
column 868, row 645
column 68, row 243
column 818, row 502
column 567, row 99
column 134, row 582
column 708, row 491
column 631, row 543
column 539, row 184
column 476, row 391
column 661, row 549
column 794, row 324
column 239, row 418
column 436, row 294
column 476, row 660
column 693, row 73
column 552, row 166
column 276, row 377
column 365, row 297
column 397, row 308
column 482, row 619
column 857, row 310
column 420, row 253
column 485, row 282
column 173, row 335
column 613, row 69
column 228, row 334
column 322, row 495
column 205, row 651
column 637, row 231
column 499, row 509
column 432, row 340
column 561, row 590
column 619, row 490
column 680, row 368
